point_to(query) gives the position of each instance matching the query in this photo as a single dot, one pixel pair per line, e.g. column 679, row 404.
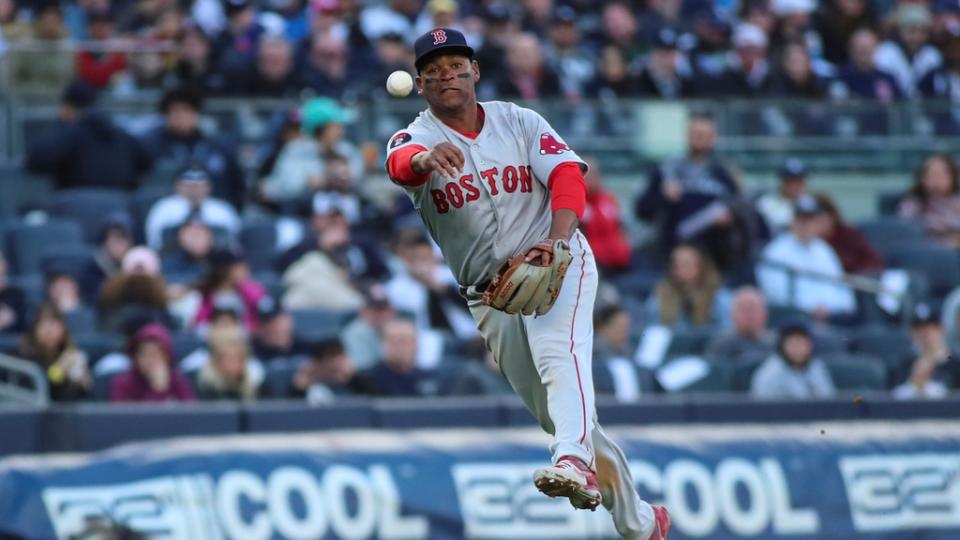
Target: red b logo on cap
column 439, row 36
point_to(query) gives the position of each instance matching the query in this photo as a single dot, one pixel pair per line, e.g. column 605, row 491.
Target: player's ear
column 419, row 81
column 476, row 70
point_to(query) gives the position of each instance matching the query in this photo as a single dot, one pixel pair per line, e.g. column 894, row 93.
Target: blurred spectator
column 613, row 325
column 934, row 200
column 299, row 170
column 782, row 270
column 62, row 290
column 861, row 78
column 777, row 208
column 708, row 55
column 438, row 14
column 229, row 374
column 908, row 55
column 235, row 49
column 187, row 260
column 536, row 16
column 944, row 81
column 88, row 150
column 273, row 339
column 749, row 340
column 602, row 223
column 950, row 319
column 13, row 305
column 690, row 194
column 195, row 64
column 324, row 270
column 13, row 26
column 794, row 25
column 748, row 74
column 272, row 75
column 153, row 375
column 191, row 199
column 425, row 288
column 935, row 369
column 836, row 21
column 527, row 76
column 397, row 373
column 181, row 141
column 500, row 29
column 49, row 41
column 566, row 55
column 391, row 53
column 691, row 295
column 329, row 373
column 665, row 73
column 793, row 371
column 229, row 274
column 795, row 77
column 340, row 190
column 101, row 63
column 136, row 294
column 619, row 28
column 391, row 17
column 114, row 241
column 363, row 336
column 613, row 79
column 326, row 67
column 854, row 251
column 48, row 343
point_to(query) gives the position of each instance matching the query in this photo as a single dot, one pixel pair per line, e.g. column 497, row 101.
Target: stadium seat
column 887, row 234
column 98, row 344
column 276, row 383
column 314, row 324
column 890, row 344
column 22, row 191
column 779, row 315
column 9, row 344
column 82, row 320
column 27, row 244
column 88, row 207
column 860, row 372
column 185, row 343
column 259, row 241
column 688, row 343
column 887, row 202
column 743, row 374
column 71, row 259
column 718, row 377
column 940, row 265
column 140, row 203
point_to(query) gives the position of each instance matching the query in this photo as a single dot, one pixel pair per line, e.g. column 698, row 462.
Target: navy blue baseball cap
column 440, row 39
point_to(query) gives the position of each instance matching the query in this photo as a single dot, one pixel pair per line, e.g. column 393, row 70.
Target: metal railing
column 22, row 382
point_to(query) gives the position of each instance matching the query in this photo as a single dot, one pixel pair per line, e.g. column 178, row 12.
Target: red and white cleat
column 662, row 517
column 570, row 478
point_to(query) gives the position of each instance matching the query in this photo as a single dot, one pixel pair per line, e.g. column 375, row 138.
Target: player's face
column 448, row 82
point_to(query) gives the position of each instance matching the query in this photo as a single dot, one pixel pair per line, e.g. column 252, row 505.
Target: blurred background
column 198, row 238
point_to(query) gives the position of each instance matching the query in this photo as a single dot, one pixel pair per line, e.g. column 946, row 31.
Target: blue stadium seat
column 27, row 244
column 98, row 344
column 88, row 207
column 887, row 234
column 940, row 265
column 140, row 203
column 887, row 202
column 857, row 372
column 688, row 343
column 81, row 320
column 313, row 324
column 259, row 241
column 892, row 345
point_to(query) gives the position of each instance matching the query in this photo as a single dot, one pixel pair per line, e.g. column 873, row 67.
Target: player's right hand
column 444, row 158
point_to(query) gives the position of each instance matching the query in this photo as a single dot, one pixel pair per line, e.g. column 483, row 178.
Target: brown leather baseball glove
column 524, row 287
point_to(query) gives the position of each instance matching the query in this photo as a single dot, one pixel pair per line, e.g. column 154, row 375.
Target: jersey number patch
column 550, row 145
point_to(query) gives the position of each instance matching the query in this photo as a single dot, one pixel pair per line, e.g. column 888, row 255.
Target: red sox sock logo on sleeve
column 439, row 36
column 550, row 145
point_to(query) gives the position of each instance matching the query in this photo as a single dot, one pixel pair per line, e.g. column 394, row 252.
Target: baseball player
column 501, row 194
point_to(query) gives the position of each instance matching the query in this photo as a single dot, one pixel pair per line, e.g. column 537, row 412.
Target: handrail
column 856, row 282
column 38, row 394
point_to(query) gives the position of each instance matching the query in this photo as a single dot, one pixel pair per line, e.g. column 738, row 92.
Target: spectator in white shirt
column 191, row 197
column 777, row 208
column 781, row 272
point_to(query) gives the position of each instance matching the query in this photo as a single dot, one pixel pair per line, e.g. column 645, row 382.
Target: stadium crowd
column 212, row 281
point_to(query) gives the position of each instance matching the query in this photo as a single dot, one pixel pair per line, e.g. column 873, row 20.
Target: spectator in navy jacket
column 861, row 78
column 689, row 194
column 397, row 374
column 87, row 150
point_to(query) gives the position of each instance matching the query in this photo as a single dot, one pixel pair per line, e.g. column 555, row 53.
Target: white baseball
column 399, row 83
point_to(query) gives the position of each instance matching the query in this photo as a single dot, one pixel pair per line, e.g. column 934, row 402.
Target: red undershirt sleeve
column 568, row 189
column 400, row 169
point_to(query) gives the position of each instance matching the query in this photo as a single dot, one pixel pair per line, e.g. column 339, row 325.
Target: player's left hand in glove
column 529, row 283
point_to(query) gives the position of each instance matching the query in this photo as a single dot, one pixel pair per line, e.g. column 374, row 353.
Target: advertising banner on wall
column 824, row 481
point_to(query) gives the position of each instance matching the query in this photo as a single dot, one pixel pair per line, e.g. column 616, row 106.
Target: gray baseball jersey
column 500, row 204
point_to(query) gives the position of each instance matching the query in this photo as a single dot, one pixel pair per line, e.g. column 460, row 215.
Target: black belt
column 477, row 289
